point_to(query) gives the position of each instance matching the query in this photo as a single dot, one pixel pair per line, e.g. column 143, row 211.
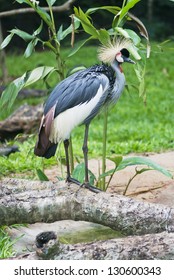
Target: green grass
column 132, row 126
column 6, row 242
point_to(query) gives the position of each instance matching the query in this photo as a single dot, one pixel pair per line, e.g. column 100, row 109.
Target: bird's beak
column 127, row 59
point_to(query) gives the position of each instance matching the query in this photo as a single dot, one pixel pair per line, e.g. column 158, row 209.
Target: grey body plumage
column 80, row 88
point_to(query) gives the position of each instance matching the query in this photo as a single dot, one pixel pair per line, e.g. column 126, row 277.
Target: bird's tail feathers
column 50, row 152
column 44, row 147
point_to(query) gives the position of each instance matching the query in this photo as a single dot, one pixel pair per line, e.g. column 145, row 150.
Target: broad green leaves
column 32, row 38
column 61, row 34
column 79, row 45
column 22, row 34
column 87, row 25
column 143, row 161
column 123, row 163
column 121, row 16
column 41, row 175
column 9, row 94
column 79, row 174
column 112, row 9
column 102, row 35
column 123, row 12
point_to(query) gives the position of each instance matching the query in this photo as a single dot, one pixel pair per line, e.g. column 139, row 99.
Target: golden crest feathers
column 108, row 52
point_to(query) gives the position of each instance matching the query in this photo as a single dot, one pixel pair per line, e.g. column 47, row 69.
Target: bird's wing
column 77, row 89
column 43, row 143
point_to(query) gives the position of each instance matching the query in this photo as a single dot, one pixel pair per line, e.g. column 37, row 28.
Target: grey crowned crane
column 78, row 99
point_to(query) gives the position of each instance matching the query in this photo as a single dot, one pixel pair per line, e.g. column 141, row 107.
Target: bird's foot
column 72, row 180
column 91, row 188
column 85, row 184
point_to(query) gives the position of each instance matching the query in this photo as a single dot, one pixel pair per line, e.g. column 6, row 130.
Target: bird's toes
column 90, row 187
column 72, row 180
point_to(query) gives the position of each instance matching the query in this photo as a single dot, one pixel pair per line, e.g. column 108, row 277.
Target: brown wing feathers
column 43, row 143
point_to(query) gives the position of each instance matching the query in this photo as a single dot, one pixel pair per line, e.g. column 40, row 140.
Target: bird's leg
column 69, row 178
column 85, row 153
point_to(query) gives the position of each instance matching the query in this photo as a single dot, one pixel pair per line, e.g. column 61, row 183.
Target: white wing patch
column 65, row 122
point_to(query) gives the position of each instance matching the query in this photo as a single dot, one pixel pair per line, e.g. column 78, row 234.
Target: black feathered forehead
column 125, row 52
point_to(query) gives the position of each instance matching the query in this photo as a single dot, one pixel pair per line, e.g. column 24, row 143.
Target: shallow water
column 90, row 235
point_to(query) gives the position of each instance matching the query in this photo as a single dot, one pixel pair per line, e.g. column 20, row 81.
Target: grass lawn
column 132, row 126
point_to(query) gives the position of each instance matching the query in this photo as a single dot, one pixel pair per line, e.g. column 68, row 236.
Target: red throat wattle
column 121, row 70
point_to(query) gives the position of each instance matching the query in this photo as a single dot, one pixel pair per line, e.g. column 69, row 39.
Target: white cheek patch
column 119, row 58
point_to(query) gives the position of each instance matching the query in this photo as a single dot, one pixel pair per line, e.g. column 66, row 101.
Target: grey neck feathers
column 119, row 82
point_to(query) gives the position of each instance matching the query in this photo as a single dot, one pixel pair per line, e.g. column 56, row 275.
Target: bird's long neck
column 119, row 82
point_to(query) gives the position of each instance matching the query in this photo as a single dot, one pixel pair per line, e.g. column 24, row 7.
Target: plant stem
column 130, row 180
column 124, row 3
column 104, row 147
column 111, row 178
column 61, row 72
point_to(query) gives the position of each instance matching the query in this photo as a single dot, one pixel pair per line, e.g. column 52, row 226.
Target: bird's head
column 117, row 51
column 123, row 56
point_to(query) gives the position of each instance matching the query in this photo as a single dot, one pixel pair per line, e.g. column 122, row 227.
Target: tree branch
column 65, row 7
column 23, row 201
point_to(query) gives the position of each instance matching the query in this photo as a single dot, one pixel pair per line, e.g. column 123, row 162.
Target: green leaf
column 87, row 25
column 143, row 161
column 51, row 2
column 6, row 41
column 140, row 71
column 75, row 69
column 41, row 175
column 10, row 93
column 38, row 73
column 22, row 1
column 116, row 159
column 22, row 34
column 79, row 172
column 103, row 36
column 38, row 31
column 92, row 177
column 40, row 11
column 107, row 173
column 61, row 34
column 126, row 9
column 79, row 45
column 128, row 33
column 143, row 31
column 138, row 161
column 112, row 9
column 44, row 15
column 30, row 47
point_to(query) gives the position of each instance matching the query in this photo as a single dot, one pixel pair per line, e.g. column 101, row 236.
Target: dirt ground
column 151, row 186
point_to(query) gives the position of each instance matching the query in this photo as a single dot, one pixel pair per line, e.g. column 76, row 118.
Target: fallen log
column 23, row 201
column 146, row 247
column 26, row 93
column 24, row 120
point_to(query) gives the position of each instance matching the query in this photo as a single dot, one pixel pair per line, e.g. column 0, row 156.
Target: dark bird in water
column 78, row 99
